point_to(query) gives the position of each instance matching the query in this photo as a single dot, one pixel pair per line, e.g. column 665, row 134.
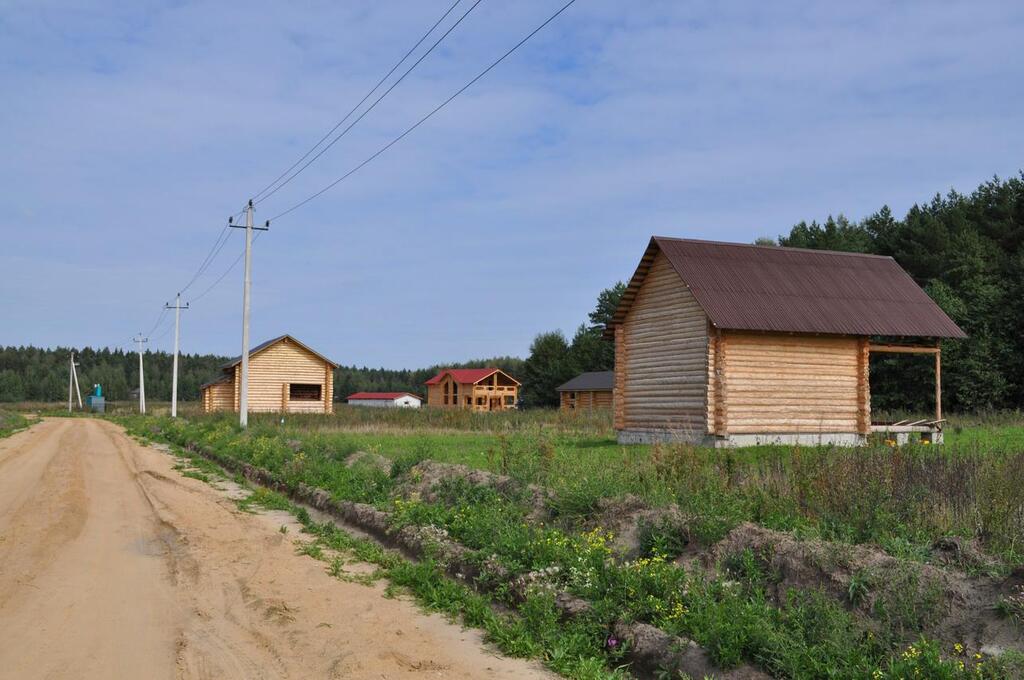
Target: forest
column 965, row 250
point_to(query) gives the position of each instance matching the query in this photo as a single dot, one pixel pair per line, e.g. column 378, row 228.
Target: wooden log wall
column 791, row 383
column 281, row 364
column 586, row 400
column 662, row 357
column 218, row 397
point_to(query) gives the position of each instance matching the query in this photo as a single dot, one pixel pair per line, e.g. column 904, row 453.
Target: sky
column 130, row 131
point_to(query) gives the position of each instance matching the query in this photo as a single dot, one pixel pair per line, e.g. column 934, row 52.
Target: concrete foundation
column 738, row 440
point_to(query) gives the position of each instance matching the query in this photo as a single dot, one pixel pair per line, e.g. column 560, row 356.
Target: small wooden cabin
column 385, row 399
column 587, row 391
column 284, row 376
column 730, row 344
column 477, row 389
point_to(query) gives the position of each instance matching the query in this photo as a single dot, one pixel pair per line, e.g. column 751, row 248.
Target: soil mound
column 908, row 597
column 424, row 479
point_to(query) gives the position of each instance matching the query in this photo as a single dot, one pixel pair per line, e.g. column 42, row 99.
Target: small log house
column 284, row 376
column 729, row 344
column 476, row 389
column 587, row 391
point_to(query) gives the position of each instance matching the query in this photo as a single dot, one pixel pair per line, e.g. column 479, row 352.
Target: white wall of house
column 403, row 402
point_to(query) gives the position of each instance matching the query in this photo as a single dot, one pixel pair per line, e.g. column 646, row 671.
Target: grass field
column 893, row 502
column 11, row 421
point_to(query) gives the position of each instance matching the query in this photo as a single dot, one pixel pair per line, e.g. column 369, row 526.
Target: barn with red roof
column 475, row 389
column 385, row 399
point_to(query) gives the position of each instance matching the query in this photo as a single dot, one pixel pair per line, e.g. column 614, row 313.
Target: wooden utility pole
column 177, row 338
column 142, row 381
column 243, row 403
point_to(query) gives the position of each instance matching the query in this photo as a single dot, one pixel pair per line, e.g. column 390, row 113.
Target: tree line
column 38, row 374
column 967, row 252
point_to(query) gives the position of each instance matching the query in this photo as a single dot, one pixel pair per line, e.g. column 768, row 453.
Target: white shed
column 385, row 399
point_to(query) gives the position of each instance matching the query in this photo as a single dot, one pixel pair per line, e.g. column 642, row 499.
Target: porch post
column 938, row 380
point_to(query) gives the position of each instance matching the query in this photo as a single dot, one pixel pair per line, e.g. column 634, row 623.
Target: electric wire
column 372, row 106
column 361, row 101
column 226, row 271
column 424, row 118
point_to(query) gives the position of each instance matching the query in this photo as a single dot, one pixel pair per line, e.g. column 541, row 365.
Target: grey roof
column 223, row 379
column 263, row 345
column 595, row 381
column 794, row 290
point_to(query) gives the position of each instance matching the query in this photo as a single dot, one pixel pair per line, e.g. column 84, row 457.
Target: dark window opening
column 299, row 392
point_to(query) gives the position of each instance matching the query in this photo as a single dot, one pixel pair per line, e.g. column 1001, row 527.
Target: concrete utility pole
column 73, row 381
column 142, row 381
column 177, row 338
column 243, row 402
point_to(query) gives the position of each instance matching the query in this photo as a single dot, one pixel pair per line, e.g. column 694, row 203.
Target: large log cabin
column 284, row 376
column 729, row 344
column 476, row 389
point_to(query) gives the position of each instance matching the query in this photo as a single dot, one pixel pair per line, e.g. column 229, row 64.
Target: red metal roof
column 794, row 290
column 381, row 395
column 465, row 375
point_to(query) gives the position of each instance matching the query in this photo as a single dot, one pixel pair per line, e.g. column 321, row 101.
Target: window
column 447, row 387
column 510, row 400
column 480, row 401
column 299, row 392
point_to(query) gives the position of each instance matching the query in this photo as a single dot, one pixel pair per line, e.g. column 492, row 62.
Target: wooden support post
column 619, row 390
column 863, row 388
column 721, row 409
column 938, row 381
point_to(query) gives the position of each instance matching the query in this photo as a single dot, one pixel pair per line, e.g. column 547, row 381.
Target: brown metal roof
column 253, row 351
column 793, row 290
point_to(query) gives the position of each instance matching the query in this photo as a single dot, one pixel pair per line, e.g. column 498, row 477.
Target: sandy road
column 113, row 565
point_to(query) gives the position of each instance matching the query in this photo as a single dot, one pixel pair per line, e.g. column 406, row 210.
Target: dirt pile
column 656, row 652
column 633, row 523
column 425, row 478
column 374, row 460
column 908, row 597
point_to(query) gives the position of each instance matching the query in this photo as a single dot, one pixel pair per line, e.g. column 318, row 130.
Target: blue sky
column 131, row 130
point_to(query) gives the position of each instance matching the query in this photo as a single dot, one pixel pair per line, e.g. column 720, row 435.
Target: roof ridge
column 775, row 248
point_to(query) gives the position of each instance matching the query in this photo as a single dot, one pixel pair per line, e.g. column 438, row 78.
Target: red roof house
column 477, row 389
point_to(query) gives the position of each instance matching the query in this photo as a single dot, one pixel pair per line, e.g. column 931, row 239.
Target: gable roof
column 794, row 290
column 388, row 396
column 253, row 351
column 469, row 375
column 592, row 381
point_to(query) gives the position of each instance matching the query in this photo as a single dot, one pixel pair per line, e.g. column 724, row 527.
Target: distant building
column 731, row 344
column 477, row 389
column 384, row 399
column 284, row 376
column 587, row 391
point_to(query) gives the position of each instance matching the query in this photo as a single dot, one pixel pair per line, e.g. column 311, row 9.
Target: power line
column 371, row 107
column 424, row 118
column 361, row 101
column 206, row 261
column 224, row 274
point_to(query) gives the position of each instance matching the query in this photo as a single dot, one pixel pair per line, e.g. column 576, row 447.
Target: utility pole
column 142, row 381
column 177, row 338
column 243, row 402
column 73, row 382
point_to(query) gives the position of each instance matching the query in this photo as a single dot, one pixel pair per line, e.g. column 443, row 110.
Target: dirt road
column 113, row 565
